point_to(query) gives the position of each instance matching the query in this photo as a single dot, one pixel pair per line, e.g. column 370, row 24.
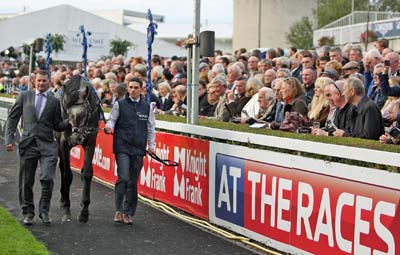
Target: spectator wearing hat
column 204, row 68
column 330, row 73
column 351, row 67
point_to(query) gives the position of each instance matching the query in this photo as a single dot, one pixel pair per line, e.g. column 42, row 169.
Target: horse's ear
column 84, row 90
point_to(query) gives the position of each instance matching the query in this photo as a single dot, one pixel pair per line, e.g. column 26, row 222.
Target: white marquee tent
column 65, row 20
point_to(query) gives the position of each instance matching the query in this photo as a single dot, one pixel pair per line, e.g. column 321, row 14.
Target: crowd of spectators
column 333, row 91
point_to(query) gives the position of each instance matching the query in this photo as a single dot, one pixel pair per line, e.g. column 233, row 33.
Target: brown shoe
column 127, row 219
column 118, row 217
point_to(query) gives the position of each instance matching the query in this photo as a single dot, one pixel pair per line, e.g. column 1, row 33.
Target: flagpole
column 49, row 48
column 151, row 31
column 195, row 64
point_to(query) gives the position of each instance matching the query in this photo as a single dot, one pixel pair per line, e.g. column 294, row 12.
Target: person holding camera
column 393, row 135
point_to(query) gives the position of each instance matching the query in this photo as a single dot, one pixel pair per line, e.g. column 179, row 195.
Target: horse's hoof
column 83, row 218
column 66, row 218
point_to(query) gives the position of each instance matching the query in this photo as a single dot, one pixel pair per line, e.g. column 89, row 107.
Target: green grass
column 15, row 239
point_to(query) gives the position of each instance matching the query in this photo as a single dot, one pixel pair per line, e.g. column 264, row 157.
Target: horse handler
column 134, row 124
column 41, row 114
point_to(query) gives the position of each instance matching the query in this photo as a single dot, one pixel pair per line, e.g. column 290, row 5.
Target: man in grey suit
column 41, row 114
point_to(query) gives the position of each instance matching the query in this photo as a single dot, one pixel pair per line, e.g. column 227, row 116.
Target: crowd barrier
column 296, row 204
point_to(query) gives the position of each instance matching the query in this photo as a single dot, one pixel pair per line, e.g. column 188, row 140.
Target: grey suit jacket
column 39, row 130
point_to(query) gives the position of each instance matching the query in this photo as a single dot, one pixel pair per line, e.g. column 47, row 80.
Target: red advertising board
column 103, row 159
column 184, row 186
column 313, row 212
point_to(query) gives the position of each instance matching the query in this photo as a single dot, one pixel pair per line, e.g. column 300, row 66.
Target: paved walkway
column 153, row 232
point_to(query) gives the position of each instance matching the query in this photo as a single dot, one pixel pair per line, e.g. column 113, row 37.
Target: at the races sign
column 311, row 212
column 184, row 186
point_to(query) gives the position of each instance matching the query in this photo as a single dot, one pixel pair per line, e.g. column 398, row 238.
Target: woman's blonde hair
column 321, row 101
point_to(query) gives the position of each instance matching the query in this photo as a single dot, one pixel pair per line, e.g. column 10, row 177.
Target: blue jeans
column 128, row 170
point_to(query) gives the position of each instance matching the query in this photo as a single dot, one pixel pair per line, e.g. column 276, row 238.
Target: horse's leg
column 86, row 176
column 66, row 179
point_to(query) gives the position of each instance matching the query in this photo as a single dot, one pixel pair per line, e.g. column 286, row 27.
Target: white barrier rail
column 341, row 151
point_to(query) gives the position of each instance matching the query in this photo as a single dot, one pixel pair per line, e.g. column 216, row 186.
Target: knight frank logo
column 151, row 178
column 186, row 177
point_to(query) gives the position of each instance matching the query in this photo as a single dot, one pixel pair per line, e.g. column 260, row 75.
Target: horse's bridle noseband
column 85, row 130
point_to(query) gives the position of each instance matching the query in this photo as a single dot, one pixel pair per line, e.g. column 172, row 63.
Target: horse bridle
column 85, row 131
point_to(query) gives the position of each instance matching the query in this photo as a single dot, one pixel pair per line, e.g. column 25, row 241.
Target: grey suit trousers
column 28, row 164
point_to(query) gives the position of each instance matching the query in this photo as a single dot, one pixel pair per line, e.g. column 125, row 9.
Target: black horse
column 79, row 104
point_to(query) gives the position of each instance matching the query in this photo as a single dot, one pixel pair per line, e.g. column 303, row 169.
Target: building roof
column 65, row 20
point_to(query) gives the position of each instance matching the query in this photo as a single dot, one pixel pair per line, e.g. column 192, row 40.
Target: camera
column 394, row 132
column 304, row 130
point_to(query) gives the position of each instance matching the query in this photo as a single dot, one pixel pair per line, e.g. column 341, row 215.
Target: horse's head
column 78, row 108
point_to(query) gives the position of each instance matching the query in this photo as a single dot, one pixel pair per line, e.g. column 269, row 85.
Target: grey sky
column 175, row 11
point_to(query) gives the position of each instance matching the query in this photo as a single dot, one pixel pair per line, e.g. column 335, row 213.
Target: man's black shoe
column 28, row 220
column 45, row 218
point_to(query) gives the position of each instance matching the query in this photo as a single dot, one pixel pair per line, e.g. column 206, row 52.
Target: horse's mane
column 71, row 90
